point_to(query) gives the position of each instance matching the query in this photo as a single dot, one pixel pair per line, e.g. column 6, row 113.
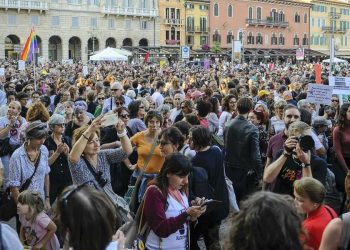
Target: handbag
column 5, row 148
column 8, row 207
column 135, row 232
column 231, row 194
column 132, row 193
column 121, row 206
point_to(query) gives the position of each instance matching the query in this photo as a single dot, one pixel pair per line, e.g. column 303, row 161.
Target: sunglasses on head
column 68, row 194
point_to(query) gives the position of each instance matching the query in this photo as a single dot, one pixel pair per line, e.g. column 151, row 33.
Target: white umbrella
column 335, row 60
column 108, row 54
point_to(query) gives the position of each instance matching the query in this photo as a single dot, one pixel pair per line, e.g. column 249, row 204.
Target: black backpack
column 199, row 184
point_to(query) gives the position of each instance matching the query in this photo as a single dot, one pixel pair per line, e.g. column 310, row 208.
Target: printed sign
column 237, row 48
column 300, row 54
column 21, row 65
column 319, row 94
column 185, row 52
column 341, row 85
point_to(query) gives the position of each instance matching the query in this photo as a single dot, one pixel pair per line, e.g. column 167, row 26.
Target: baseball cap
column 263, row 92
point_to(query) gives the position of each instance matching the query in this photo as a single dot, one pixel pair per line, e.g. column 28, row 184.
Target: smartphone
column 110, row 119
column 209, row 202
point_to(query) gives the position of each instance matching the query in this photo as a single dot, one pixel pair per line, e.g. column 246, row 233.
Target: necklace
column 36, row 155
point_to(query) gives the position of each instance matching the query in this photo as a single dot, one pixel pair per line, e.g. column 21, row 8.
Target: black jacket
column 242, row 145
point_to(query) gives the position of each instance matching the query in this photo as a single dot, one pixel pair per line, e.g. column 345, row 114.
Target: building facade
column 172, row 23
column 267, row 28
column 330, row 19
column 197, row 23
column 74, row 29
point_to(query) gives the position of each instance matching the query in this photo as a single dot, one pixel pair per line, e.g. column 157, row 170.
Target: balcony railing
column 260, row 22
column 130, row 11
column 201, row 29
column 172, row 42
column 334, row 15
column 172, row 21
column 27, row 5
column 330, row 29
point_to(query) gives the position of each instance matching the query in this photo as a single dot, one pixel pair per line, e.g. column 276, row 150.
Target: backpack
column 199, row 184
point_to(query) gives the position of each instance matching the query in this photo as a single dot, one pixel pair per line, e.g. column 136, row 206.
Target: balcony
column 266, row 23
column 334, row 15
column 199, row 29
column 172, row 42
column 129, row 11
column 330, row 29
column 172, row 21
column 24, row 5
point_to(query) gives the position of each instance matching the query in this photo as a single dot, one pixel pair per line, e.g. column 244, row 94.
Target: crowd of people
column 186, row 146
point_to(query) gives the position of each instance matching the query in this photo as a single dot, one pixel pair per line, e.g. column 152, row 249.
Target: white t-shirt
column 158, row 98
column 177, row 240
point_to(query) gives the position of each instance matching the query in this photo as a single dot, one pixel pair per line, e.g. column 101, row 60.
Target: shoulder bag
column 8, row 207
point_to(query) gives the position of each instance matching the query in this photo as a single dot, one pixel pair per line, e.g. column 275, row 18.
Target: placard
column 341, row 85
column 21, row 65
column 299, row 54
column 85, row 70
column 2, row 71
column 319, row 94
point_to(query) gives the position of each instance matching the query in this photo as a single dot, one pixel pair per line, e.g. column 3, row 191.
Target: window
column 229, row 37
column 250, row 12
column 74, row 1
column 312, row 40
column 280, row 17
column 127, row 24
column 281, row 39
column 305, row 18
column 296, row 40
column 11, row 19
column 297, row 18
column 111, row 23
column 216, row 9
column 259, row 39
column 94, row 2
column 250, row 38
column 143, row 25
column 55, row 21
column 240, row 36
column 229, row 11
column 128, row 3
column 203, row 24
column 216, row 36
column 75, row 22
column 144, row 4
column 93, row 22
column 203, row 7
column 35, row 20
column 305, row 40
column 190, row 40
column 258, row 13
column 318, row 22
column 203, row 40
column 273, row 39
column 190, row 24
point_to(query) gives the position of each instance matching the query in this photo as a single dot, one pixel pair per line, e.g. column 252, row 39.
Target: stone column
column 65, row 48
column 45, row 48
column 2, row 47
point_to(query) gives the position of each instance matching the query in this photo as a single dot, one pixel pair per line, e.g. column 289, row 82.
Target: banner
column 300, row 54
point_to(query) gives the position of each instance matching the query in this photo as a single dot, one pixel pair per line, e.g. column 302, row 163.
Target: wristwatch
column 305, row 165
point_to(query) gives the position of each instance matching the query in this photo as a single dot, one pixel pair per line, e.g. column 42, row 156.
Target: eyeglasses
column 183, row 107
column 124, row 116
column 100, row 98
column 115, row 90
column 119, row 103
column 334, row 100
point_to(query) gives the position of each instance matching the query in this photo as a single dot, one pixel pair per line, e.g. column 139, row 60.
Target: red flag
column 318, row 69
column 147, row 56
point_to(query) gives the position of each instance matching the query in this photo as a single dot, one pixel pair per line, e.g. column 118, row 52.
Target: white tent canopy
column 109, row 54
column 335, row 60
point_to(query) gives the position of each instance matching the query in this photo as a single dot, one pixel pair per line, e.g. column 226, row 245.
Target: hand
column 120, row 126
column 65, row 149
column 60, row 148
column 120, row 238
column 290, row 144
column 12, row 119
column 47, row 204
column 198, row 201
column 132, row 166
column 195, row 211
column 304, row 157
column 96, row 124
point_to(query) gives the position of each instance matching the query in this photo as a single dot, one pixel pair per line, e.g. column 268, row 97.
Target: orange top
column 143, row 149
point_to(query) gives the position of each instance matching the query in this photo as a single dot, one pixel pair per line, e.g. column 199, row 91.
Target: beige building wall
column 123, row 23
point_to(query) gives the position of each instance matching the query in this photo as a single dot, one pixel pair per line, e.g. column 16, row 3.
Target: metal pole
column 33, row 55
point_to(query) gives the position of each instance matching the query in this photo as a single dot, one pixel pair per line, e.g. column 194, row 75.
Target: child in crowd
column 37, row 229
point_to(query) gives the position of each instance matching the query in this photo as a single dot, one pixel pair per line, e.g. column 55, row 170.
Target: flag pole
column 33, row 56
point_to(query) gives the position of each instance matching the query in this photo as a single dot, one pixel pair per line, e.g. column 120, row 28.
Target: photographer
column 295, row 161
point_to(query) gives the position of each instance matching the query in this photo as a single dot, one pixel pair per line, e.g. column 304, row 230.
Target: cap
column 196, row 94
column 319, row 120
column 261, row 93
column 287, row 95
column 56, row 119
column 117, row 85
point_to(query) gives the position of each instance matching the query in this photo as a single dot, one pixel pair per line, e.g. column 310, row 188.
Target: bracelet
column 124, row 133
column 305, row 165
column 85, row 136
column 286, row 154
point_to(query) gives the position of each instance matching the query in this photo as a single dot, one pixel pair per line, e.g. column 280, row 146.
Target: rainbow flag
column 30, row 47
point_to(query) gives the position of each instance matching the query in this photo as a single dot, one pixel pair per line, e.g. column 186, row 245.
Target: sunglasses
column 115, row 90
column 124, row 116
column 101, row 98
column 335, row 100
column 119, row 103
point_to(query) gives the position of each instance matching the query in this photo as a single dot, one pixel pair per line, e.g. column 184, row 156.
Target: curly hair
column 225, row 102
column 249, row 226
column 342, row 115
column 37, row 111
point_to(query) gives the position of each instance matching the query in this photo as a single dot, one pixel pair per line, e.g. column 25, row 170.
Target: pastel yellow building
column 197, row 23
column 172, row 22
column 330, row 19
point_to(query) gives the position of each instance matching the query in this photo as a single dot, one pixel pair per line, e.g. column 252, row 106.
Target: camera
column 306, row 142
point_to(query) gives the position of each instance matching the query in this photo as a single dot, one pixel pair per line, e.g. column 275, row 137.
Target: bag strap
column 97, row 176
column 29, row 180
column 329, row 211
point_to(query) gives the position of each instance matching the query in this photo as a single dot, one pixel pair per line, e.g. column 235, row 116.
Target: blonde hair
column 298, row 127
column 34, row 201
column 37, row 111
column 310, row 188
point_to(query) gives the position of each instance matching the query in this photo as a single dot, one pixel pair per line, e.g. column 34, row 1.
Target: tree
column 216, row 47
